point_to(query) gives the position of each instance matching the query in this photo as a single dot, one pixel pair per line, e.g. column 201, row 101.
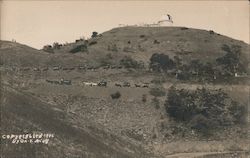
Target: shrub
column 183, row 76
column 211, row 32
column 144, row 98
column 48, row 48
column 142, row 36
column 160, row 62
column 230, row 62
column 94, row 34
column 203, row 109
column 79, row 48
column 156, row 42
column 128, row 62
column 116, row 95
column 56, row 45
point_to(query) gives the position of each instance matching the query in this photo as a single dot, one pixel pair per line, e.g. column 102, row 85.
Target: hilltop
column 137, row 42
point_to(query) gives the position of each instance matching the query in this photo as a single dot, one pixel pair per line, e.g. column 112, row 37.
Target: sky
column 37, row 23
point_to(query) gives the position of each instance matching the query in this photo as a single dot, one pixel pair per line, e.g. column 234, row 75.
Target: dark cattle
column 126, row 84
column 102, row 84
column 26, row 69
column 56, row 82
column 81, row 68
column 49, row 81
column 137, row 85
column 106, row 67
column 119, row 67
column 118, row 85
column 90, row 67
column 145, row 85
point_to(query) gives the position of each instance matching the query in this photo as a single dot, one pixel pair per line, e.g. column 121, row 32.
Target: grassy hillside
column 137, row 42
column 88, row 122
column 23, row 113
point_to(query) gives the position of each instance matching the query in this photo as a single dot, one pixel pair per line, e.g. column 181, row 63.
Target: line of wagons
column 124, row 84
column 101, row 83
column 57, row 68
column 60, row 82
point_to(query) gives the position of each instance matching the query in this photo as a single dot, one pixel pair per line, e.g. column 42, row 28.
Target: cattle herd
column 57, row 68
column 60, row 82
column 100, row 84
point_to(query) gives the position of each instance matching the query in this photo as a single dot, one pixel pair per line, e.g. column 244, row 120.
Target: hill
column 138, row 43
column 23, row 113
column 67, row 89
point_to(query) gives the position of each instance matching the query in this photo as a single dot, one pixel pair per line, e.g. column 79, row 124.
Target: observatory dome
column 165, row 20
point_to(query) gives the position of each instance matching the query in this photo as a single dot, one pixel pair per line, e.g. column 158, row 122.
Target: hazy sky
column 37, row 23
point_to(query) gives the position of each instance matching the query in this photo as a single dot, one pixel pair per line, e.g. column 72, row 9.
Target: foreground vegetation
column 204, row 110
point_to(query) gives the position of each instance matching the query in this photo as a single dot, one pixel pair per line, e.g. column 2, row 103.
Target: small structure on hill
column 165, row 20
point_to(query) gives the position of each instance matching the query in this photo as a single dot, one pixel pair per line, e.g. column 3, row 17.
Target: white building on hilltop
column 165, row 20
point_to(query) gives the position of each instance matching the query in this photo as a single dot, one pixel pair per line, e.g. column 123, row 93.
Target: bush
column 144, row 98
column 48, row 48
column 128, row 62
column 142, row 36
column 94, row 34
column 156, row 42
column 116, row 95
column 230, row 62
column 160, row 62
column 211, row 32
column 203, row 109
column 79, row 48
column 56, row 45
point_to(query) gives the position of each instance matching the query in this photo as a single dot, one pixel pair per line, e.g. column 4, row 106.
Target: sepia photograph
column 124, row 79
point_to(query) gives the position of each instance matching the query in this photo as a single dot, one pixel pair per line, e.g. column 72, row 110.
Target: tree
column 56, row 45
column 231, row 60
column 79, row 48
column 204, row 109
column 195, row 66
column 94, row 34
column 116, row 95
column 128, row 62
column 160, row 62
column 177, row 62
